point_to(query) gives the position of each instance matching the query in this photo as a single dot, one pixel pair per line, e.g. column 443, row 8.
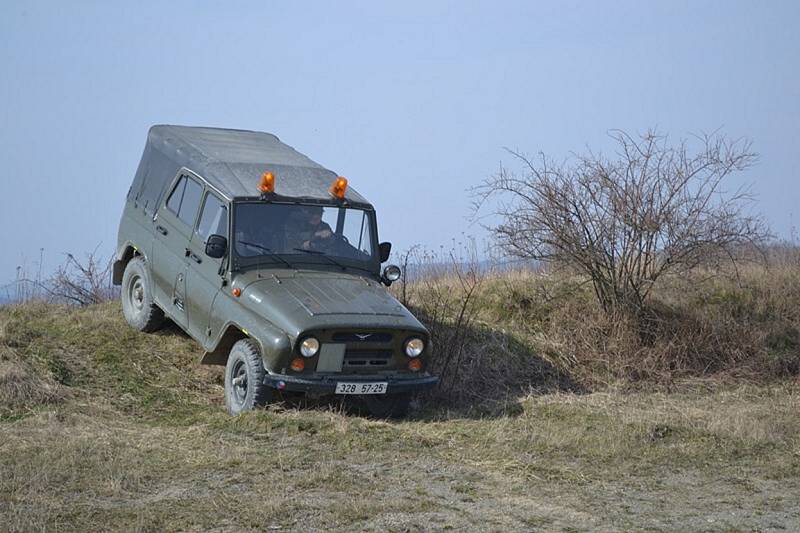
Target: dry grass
column 21, row 387
column 104, row 428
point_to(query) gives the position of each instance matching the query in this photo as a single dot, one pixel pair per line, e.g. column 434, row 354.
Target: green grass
column 104, row 428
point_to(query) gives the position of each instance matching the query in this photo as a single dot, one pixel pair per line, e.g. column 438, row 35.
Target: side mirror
column 216, row 246
column 385, row 249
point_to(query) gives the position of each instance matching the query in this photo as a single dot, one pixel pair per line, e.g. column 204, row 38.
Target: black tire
column 244, row 378
column 388, row 406
column 138, row 306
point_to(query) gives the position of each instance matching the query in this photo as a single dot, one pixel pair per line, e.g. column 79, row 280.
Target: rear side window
column 185, row 199
column 213, row 218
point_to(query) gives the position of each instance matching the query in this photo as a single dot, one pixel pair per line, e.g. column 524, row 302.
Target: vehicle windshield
column 320, row 234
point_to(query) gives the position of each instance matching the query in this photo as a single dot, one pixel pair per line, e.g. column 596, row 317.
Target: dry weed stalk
column 442, row 287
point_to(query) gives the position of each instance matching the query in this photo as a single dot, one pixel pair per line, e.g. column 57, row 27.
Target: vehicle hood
column 298, row 301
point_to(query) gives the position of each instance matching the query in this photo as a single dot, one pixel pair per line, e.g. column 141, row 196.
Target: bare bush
column 75, row 282
column 654, row 209
column 83, row 283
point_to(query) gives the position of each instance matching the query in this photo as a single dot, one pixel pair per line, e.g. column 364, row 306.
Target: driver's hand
column 324, row 234
column 306, row 245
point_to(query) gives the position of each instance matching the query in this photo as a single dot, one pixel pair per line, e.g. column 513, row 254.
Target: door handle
column 193, row 256
column 161, row 229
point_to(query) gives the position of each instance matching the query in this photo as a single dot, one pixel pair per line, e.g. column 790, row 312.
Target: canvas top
column 233, row 162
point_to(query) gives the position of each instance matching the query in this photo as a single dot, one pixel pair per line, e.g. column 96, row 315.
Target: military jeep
column 270, row 262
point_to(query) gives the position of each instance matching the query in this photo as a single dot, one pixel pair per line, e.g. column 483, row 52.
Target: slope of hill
column 106, row 428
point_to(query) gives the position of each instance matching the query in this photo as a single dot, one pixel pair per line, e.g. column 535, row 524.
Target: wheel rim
column 136, row 294
column 239, row 382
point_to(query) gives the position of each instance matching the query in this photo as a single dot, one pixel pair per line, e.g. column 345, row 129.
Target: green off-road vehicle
column 272, row 263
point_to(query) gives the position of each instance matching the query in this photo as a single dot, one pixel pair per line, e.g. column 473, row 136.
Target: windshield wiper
column 270, row 252
column 321, row 254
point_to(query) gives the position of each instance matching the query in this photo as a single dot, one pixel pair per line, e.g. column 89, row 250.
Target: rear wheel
column 138, row 306
column 389, row 405
column 244, row 378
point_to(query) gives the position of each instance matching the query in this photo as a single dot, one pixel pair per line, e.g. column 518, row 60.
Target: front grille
column 362, row 358
column 356, row 337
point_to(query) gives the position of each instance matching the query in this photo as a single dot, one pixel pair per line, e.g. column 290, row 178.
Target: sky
column 414, row 102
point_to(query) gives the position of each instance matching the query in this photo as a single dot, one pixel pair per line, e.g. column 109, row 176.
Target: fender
column 275, row 345
column 125, row 253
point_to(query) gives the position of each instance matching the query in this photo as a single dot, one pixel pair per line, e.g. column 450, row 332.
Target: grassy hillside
column 523, row 332
column 106, row 428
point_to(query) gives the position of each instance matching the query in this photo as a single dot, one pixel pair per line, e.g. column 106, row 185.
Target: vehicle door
column 203, row 274
column 173, row 230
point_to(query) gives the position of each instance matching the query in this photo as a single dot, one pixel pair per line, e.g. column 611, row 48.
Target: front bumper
column 327, row 384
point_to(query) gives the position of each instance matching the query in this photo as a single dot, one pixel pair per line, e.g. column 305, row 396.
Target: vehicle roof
column 233, row 162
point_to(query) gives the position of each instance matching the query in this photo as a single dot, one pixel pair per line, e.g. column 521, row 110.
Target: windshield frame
column 301, row 260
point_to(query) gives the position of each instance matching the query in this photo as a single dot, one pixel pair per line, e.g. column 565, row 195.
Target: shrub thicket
column 521, row 330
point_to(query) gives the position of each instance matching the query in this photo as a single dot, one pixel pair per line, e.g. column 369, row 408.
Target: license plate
column 361, row 388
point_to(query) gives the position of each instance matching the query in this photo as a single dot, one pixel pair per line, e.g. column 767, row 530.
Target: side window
column 365, row 240
column 357, row 230
column 213, row 218
column 174, row 200
column 185, row 199
column 191, row 202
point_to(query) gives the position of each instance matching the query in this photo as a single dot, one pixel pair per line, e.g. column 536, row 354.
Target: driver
column 308, row 229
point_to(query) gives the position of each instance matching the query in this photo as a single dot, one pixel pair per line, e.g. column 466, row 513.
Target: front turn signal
column 415, row 365
column 298, row 365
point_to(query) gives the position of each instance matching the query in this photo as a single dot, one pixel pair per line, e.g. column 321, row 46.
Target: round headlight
column 414, row 347
column 309, row 347
column 392, row 273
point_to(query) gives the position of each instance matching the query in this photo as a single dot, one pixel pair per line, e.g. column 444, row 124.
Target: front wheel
column 389, row 405
column 244, row 378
